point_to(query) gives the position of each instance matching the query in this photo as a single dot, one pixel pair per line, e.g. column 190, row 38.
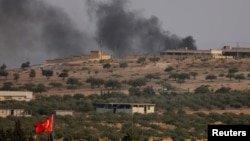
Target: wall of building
column 94, row 55
column 16, row 95
column 63, row 112
column 13, row 112
column 128, row 111
column 106, row 57
column 103, row 110
column 125, row 108
column 144, row 109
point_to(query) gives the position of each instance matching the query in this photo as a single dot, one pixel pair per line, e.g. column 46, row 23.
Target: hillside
column 82, row 71
column 181, row 111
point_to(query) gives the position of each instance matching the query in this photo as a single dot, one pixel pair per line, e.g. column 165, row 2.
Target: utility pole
column 237, row 53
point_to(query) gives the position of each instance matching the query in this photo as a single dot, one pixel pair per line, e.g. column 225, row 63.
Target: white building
column 143, row 108
column 13, row 112
column 16, row 95
column 64, row 112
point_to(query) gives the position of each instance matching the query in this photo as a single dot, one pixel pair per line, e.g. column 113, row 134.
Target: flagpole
column 52, row 127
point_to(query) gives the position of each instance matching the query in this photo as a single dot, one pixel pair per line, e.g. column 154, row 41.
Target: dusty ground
column 135, row 70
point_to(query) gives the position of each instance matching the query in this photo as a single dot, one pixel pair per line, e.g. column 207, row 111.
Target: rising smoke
column 37, row 30
column 32, row 28
column 124, row 31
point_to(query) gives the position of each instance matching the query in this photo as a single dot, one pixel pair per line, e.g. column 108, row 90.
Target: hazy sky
column 212, row 23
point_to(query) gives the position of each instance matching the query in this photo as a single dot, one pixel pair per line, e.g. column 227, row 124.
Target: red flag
column 45, row 125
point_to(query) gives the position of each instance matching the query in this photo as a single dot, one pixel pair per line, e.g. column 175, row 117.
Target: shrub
column 202, row 89
column 223, row 90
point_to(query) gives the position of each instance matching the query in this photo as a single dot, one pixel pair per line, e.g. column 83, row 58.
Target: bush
column 169, row 69
column 223, row 90
column 202, row 89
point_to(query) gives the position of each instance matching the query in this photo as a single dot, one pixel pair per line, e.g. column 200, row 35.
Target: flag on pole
column 44, row 126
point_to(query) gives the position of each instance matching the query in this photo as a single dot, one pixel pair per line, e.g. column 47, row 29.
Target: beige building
column 193, row 53
column 16, row 95
column 13, row 112
column 227, row 52
column 143, row 108
column 94, row 55
column 64, row 112
column 236, row 52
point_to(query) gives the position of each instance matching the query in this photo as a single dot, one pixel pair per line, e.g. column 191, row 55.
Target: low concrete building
column 193, row 53
column 236, row 52
column 16, row 95
column 94, row 55
column 64, row 112
column 14, row 112
column 143, row 108
column 227, row 52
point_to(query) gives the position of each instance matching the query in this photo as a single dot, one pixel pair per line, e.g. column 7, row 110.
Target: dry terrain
column 82, row 71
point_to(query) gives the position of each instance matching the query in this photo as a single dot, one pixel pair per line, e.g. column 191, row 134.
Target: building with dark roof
column 143, row 108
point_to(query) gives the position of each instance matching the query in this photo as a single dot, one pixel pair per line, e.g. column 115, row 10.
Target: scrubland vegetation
column 188, row 94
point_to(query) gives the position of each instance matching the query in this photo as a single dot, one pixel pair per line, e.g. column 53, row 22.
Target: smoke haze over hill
column 125, row 31
column 33, row 30
column 30, row 29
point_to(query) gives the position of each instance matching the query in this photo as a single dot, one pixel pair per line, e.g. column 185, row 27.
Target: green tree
column 211, row 77
column 183, row 76
column 248, row 75
column 138, row 82
column 194, row 74
column 230, row 76
column 134, row 91
column 4, row 73
column 174, row 75
column 64, row 74
column 25, row 65
column 3, row 67
column 233, row 70
column 47, row 73
column 154, row 59
column 180, row 81
column 240, row 77
column 132, row 135
column 95, row 82
column 2, row 135
column 169, row 69
column 29, row 86
column 123, row 65
column 18, row 133
column 202, row 89
column 106, row 66
column 113, row 84
column 96, row 72
column 16, row 76
column 56, row 84
column 223, row 90
column 40, row 88
column 141, row 60
column 73, row 81
column 7, row 86
column 149, row 76
column 149, row 91
column 221, row 75
column 32, row 74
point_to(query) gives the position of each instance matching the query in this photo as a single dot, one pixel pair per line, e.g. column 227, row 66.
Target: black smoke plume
column 124, row 31
column 34, row 31
column 33, row 28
